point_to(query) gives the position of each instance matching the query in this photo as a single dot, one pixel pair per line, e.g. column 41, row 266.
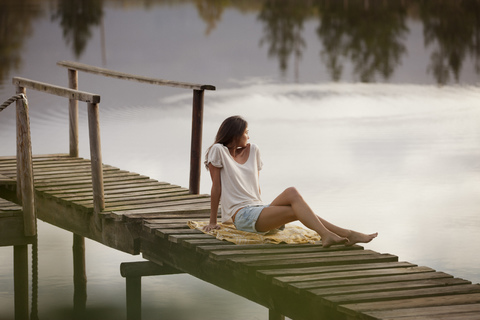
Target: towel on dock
column 291, row 234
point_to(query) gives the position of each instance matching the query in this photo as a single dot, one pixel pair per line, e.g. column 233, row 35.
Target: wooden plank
column 311, row 249
column 352, row 274
column 369, row 278
column 289, row 272
column 383, row 288
column 357, row 309
column 194, row 243
column 56, row 90
column 400, row 294
column 165, row 233
column 159, row 203
column 127, row 76
column 4, row 180
column 179, row 238
column 174, row 211
column 452, row 311
column 311, row 262
column 297, row 256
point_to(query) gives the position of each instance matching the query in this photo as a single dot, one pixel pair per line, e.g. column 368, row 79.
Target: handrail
column 197, row 111
column 127, row 76
column 25, row 189
column 92, row 101
column 56, row 90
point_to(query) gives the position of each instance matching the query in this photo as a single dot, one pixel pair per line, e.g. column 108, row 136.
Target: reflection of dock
column 139, row 215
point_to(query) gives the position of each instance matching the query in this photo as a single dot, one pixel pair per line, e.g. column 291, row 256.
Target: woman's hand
column 211, row 227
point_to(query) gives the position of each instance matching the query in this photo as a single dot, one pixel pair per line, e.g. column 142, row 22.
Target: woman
column 234, row 166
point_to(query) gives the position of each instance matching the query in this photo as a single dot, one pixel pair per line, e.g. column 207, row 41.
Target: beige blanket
column 291, row 234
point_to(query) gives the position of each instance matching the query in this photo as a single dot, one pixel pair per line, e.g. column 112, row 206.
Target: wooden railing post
column 73, row 113
column 197, row 117
column 96, row 160
column 25, row 190
column 196, row 147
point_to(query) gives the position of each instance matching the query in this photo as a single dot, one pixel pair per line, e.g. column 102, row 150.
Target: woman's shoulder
column 218, row 146
column 217, row 149
column 253, row 146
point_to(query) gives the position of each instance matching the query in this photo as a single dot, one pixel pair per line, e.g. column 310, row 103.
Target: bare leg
column 352, row 235
column 289, row 206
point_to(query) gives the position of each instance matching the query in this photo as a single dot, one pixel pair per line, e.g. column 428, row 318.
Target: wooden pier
column 139, row 215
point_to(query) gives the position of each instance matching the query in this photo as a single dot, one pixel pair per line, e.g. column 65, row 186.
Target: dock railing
column 25, row 190
column 197, row 110
column 92, row 101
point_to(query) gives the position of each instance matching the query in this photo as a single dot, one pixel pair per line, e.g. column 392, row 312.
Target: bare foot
column 358, row 237
column 331, row 239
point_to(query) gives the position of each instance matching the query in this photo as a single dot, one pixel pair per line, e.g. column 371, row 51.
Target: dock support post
column 133, row 273
column 73, row 113
column 20, row 275
column 196, row 147
column 96, row 160
column 79, row 277
column 274, row 315
column 134, row 298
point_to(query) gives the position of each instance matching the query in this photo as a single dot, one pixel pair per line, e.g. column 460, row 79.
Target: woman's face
column 243, row 140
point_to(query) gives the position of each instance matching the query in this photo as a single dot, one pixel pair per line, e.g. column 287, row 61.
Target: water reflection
column 453, row 29
column 76, row 19
column 15, row 26
column 369, row 36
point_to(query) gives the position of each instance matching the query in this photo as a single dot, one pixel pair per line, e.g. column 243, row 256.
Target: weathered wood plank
column 452, row 311
column 401, row 294
column 56, row 90
column 174, row 211
column 306, row 271
column 352, row 274
column 382, row 288
column 311, row 262
column 311, row 249
column 301, row 255
column 400, row 274
column 357, row 309
column 127, row 76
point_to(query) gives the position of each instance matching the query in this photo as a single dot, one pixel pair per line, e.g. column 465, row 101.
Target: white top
column 240, row 185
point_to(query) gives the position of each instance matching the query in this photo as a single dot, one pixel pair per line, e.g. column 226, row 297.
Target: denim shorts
column 247, row 217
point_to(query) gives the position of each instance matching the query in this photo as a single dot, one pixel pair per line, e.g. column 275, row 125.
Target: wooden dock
column 303, row 281
column 138, row 215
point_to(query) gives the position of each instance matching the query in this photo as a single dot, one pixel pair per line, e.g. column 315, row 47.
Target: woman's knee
column 293, row 194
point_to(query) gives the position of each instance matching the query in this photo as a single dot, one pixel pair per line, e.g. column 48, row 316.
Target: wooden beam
column 56, row 90
column 145, row 268
column 132, row 77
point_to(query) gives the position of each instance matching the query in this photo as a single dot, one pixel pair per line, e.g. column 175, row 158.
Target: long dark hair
column 230, row 130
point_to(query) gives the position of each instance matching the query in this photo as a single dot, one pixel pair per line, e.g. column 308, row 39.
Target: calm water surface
column 386, row 142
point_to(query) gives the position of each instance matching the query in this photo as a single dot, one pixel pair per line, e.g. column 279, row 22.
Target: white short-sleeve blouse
column 240, row 183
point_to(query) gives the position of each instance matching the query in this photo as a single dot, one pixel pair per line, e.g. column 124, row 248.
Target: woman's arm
column 215, row 196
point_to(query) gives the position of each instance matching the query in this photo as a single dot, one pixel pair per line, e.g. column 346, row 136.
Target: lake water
column 375, row 120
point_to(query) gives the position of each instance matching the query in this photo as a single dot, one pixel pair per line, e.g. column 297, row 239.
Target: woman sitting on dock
column 234, row 166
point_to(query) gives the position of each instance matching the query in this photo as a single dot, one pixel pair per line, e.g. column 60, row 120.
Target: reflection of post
column 79, row 277
column 102, row 40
